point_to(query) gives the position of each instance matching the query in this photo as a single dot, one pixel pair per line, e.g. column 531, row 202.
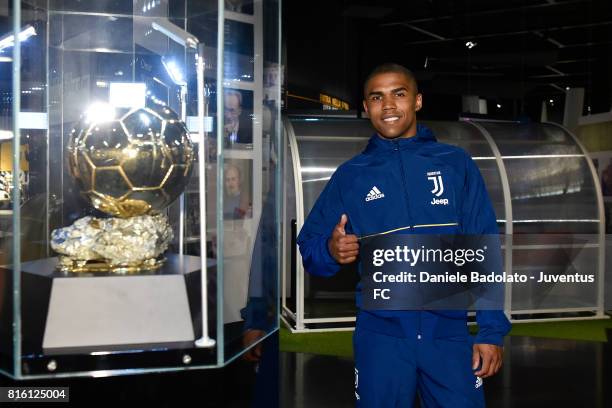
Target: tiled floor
column 537, row 373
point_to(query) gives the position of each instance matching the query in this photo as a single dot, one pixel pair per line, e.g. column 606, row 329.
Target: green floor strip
column 340, row 343
column 588, row 330
column 327, row 343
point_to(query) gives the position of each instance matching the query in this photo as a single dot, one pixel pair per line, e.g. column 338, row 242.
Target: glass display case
column 139, row 184
column 542, row 185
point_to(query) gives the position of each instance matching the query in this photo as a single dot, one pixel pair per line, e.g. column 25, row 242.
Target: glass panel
column 319, row 163
column 141, row 158
column 250, row 190
column 490, row 174
column 331, row 297
column 539, row 184
column 515, row 139
column 120, row 267
column 554, row 255
column 334, row 296
column 463, row 135
column 89, row 33
column 7, row 192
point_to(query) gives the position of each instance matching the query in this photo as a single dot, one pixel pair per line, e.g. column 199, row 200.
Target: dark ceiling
column 524, row 52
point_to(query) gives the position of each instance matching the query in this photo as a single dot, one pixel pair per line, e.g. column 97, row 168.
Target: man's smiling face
column 391, row 101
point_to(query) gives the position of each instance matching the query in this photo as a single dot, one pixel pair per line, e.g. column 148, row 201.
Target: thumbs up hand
column 343, row 248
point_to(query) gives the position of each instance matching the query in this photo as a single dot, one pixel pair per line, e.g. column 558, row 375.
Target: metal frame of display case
column 295, row 317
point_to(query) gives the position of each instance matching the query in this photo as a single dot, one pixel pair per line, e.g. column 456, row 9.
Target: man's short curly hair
column 390, row 67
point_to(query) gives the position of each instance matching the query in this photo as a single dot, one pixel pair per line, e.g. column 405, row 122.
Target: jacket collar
column 379, row 144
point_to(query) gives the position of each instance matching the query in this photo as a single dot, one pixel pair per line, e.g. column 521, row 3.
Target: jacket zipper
column 396, row 148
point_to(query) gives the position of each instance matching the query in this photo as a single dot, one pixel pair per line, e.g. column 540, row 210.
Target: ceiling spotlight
column 498, row 106
column 567, row 88
column 551, row 101
column 470, row 45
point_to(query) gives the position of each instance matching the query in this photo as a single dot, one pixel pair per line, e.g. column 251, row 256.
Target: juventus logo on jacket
column 438, row 188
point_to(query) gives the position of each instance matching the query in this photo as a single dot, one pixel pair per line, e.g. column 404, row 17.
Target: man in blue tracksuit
column 386, row 188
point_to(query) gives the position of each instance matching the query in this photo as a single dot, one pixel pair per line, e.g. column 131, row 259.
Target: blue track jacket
column 387, row 187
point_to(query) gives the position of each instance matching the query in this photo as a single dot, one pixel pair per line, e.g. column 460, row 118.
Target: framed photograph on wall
column 237, row 189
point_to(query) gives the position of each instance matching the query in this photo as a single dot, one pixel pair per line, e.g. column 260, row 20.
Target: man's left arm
column 478, row 217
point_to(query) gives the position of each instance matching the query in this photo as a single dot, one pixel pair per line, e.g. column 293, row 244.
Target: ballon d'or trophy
column 130, row 164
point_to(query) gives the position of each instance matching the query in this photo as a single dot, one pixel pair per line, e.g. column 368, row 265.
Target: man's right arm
column 321, row 241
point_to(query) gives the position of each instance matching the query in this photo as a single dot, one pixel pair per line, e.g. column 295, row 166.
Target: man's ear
column 365, row 106
column 419, row 102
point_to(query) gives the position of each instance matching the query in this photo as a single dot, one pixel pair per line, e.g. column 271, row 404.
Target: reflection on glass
column 8, row 40
column 239, row 6
column 236, row 201
column 239, row 60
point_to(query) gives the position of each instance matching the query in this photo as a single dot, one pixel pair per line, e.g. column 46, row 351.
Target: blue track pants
column 390, row 371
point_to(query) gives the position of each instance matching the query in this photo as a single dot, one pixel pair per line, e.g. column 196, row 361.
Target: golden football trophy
column 130, row 164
